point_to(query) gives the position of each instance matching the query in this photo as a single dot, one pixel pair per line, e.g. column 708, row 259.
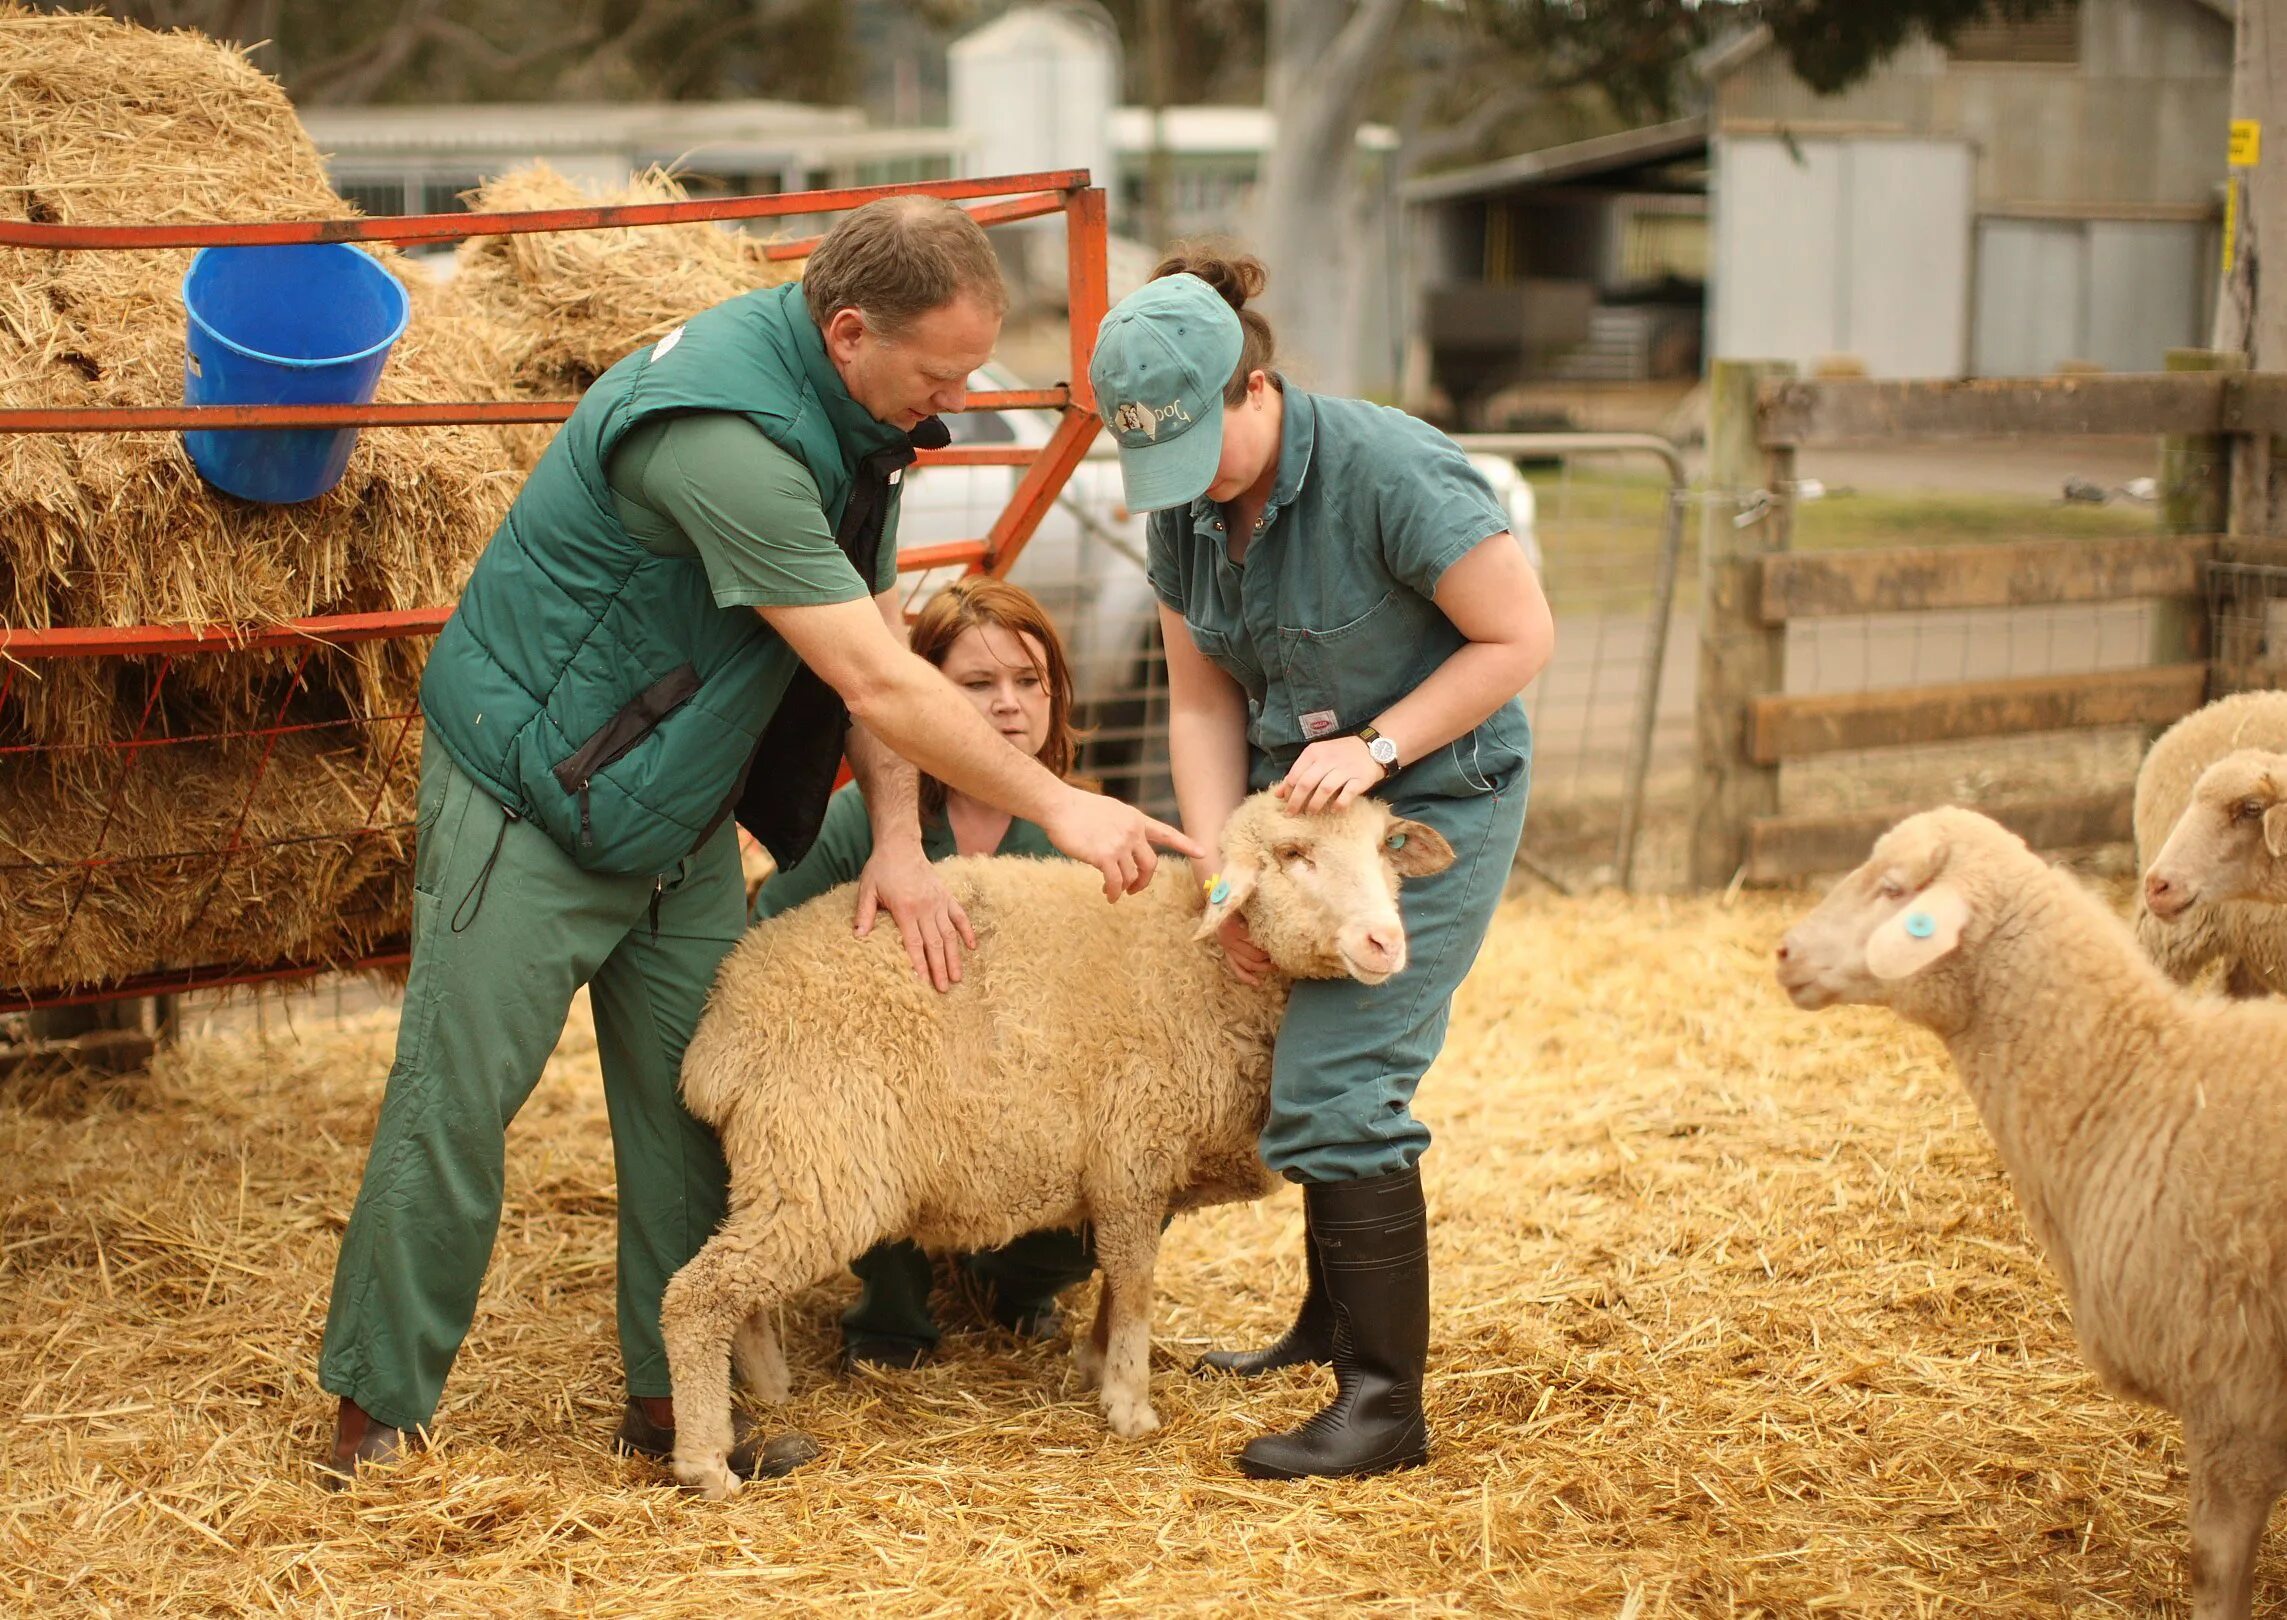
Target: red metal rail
column 425, row 228
column 1046, row 470
column 440, row 413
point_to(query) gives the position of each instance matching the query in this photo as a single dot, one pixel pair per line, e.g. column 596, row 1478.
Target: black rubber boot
column 1308, row 1343
column 1373, row 1243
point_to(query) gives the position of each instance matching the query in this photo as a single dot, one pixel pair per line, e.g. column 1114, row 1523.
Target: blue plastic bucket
column 293, row 325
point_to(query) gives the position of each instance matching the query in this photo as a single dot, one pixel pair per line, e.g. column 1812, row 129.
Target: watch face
column 1384, row 751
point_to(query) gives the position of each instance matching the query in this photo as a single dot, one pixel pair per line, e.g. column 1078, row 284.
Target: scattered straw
column 1733, row 1316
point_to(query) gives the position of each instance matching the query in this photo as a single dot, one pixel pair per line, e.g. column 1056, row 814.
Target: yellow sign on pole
column 2246, row 143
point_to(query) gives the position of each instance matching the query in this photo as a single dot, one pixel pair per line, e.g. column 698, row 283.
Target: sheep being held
column 1095, row 1063
column 2140, row 1125
column 2184, row 933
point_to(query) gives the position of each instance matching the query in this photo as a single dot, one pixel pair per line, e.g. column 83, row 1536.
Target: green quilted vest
column 596, row 689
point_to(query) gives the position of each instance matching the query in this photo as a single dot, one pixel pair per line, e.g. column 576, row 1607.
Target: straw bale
column 567, row 306
column 306, row 887
column 1733, row 1315
column 108, row 122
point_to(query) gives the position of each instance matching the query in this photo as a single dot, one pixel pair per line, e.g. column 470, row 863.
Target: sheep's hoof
column 1131, row 1420
column 709, row 1476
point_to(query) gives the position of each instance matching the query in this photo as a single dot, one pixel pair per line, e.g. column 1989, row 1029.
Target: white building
column 2039, row 194
column 419, row 158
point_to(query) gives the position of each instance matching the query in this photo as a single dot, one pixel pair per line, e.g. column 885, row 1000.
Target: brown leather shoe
column 359, row 1440
column 647, row 1429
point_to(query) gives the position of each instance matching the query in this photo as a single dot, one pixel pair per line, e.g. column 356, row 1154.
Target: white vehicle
column 1086, row 563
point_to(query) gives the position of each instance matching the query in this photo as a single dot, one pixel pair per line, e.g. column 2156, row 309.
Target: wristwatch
column 1380, row 750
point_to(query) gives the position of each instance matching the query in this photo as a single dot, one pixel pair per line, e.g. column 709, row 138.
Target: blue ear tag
column 1396, row 840
column 1218, row 892
column 1921, row 924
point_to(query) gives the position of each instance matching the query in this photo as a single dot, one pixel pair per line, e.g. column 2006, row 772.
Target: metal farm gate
column 162, row 650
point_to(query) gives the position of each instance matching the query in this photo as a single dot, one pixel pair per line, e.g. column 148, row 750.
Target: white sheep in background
column 2250, row 940
column 1095, row 1063
column 2144, row 1129
column 2230, row 843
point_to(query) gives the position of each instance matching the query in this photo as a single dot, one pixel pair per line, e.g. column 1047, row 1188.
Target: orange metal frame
column 991, row 201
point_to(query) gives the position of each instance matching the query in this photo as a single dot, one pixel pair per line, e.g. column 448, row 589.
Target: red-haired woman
column 995, row 643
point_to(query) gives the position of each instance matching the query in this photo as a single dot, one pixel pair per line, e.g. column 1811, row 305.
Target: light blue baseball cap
column 1163, row 357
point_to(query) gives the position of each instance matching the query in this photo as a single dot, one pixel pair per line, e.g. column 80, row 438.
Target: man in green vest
column 686, row 617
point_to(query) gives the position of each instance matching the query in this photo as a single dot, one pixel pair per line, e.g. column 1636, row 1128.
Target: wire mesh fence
column 2247, row 607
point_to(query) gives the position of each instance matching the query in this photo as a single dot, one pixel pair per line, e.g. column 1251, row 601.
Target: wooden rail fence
column 2216, row 426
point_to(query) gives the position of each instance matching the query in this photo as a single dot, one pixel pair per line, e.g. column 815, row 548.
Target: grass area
column 1600, row 531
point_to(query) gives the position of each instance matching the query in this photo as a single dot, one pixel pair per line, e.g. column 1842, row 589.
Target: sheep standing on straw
column 2142, row 1128
column 1092, row 1066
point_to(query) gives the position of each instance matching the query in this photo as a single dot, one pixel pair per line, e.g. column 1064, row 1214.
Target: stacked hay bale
column 563, row 307
column 112, row 123
column 109, row 863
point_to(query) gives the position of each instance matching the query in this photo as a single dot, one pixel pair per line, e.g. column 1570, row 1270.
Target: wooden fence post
column 2196, row 497
column 1740, row 657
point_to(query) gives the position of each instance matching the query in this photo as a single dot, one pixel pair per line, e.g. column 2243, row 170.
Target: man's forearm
column 891, row 785
column 907, row 705
column 916, row 712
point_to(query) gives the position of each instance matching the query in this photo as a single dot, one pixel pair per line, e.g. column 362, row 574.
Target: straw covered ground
column 1734, row 1315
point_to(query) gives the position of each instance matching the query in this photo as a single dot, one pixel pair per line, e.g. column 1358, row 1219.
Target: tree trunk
column 2251, row 311
column 1322, row 58
column 2251, row 305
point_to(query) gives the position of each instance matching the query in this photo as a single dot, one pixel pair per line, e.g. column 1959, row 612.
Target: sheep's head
column 1890, row 932
column 1320, row 892
column 2231, row 841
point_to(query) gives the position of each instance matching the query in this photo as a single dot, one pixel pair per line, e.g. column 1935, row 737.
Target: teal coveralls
column 1024, row 1276
column 508, row 923
column 1327, row 620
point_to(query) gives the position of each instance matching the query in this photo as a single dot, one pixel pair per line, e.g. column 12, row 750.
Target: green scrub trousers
column 505, row 929
column 1349, row 1055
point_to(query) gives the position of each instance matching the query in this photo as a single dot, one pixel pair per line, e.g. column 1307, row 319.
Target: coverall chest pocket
column 1339, row 676
column 1216, row 646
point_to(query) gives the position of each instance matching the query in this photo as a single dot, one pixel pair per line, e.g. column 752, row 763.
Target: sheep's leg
column 742, row 1274
column 698, row 1315
column 1126, row 1249
column 761, row 1363
column 2234, row 1483
column 1088, row 1354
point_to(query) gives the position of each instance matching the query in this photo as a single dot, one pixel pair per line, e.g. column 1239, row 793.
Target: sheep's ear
column 1229, row 892
column 1925, row 929
column 1417, row 849
column 2275, row 830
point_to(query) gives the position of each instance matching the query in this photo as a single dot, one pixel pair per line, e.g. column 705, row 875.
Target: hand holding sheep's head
column 1320, row 892
column 1881, row 931
column 2231, row 841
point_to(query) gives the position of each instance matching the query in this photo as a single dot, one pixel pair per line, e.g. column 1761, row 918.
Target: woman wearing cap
column 1345, row 612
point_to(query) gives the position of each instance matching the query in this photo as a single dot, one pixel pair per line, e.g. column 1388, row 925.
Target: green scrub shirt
column 1327, row 620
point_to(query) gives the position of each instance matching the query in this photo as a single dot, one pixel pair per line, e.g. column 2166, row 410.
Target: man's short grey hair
column 896, row 259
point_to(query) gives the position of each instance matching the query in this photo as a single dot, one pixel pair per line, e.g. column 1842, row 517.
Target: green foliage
column 525, row 50
column 1635, row 51
column 1832, row 44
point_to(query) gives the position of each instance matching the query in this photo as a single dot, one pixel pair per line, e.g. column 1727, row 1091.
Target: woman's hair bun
column 1237, row 276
